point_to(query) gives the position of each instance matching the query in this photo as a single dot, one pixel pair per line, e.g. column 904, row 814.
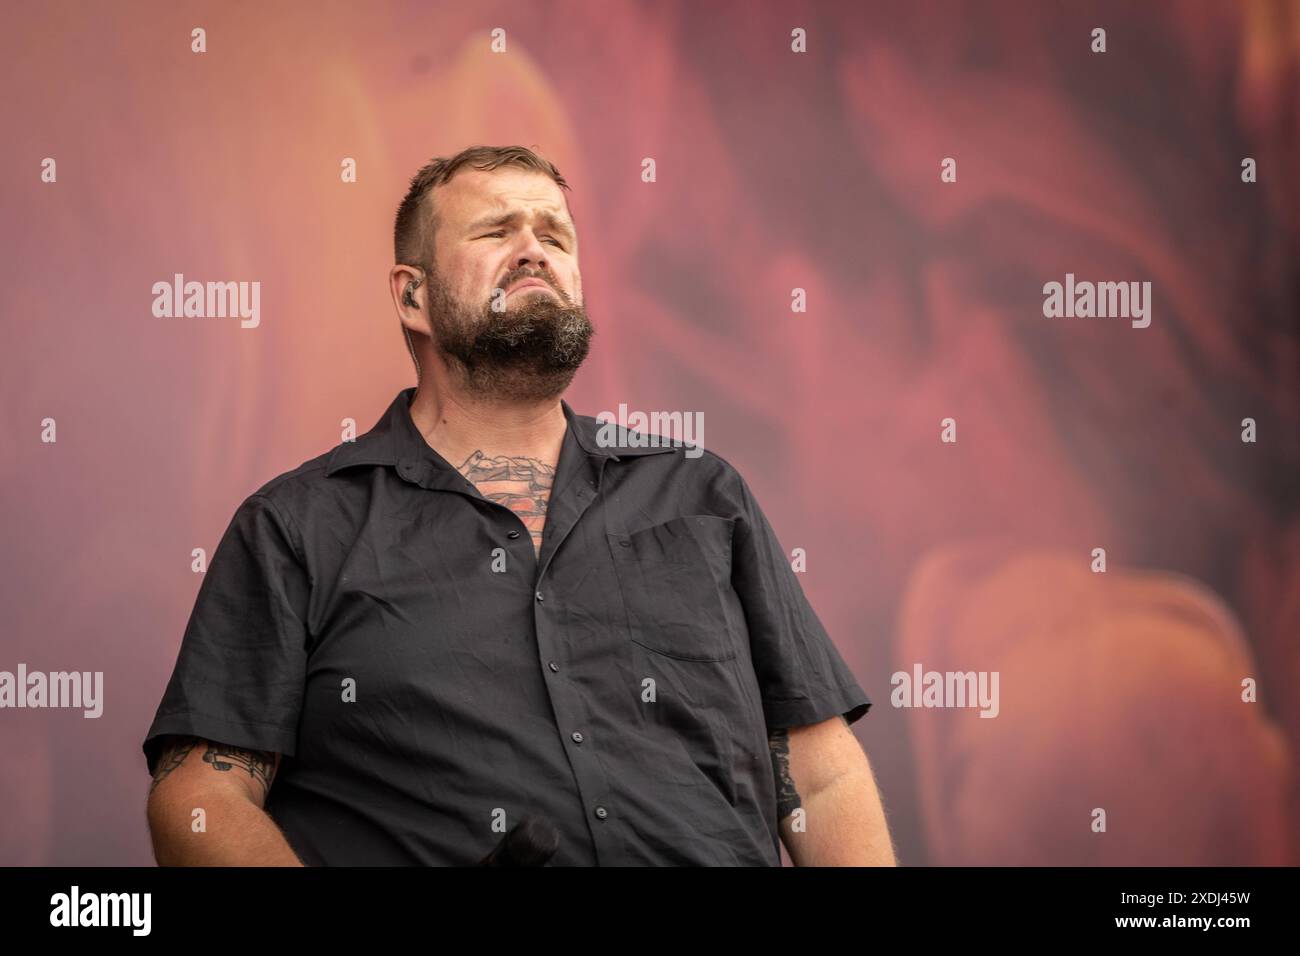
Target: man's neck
column 508, row 451
column 457, row 427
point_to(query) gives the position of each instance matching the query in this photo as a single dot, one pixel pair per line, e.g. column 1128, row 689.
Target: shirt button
column 539, row 597
column 555, row 668
column 625, row 543
column 577, row 737
column 513, row 534
column 602, row 812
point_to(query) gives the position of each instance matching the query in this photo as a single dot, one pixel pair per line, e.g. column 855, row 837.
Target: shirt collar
column 394, row 440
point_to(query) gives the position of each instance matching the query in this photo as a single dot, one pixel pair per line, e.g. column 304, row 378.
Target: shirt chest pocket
column 673, row 577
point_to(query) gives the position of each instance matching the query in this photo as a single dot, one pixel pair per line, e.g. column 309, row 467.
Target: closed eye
column 493, row 235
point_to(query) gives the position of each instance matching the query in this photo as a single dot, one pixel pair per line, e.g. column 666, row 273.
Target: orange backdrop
column 775, row 170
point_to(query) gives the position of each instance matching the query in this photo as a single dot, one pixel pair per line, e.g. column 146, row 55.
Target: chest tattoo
column 521, row 484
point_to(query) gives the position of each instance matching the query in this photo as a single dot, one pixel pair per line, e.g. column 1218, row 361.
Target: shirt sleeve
column 239, row 675
column 802, row 678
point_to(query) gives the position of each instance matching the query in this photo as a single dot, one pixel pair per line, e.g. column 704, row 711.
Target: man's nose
column 533, row 263
column 534, row 253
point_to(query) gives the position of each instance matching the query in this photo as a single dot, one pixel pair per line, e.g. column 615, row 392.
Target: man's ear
column 413, row 277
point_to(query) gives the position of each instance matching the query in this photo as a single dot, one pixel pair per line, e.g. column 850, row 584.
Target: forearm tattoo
column 258, row 764
column 787, row 797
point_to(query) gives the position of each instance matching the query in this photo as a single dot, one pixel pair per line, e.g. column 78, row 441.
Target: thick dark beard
column 528, row 353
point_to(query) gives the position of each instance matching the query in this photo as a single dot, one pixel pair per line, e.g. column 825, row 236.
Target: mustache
column 541, row 275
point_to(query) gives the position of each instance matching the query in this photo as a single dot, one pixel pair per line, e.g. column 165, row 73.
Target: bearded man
column 483, row 632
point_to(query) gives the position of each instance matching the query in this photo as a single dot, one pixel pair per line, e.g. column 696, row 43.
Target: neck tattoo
column 521, row 484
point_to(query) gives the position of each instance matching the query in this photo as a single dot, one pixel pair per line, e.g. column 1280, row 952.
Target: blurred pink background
column 775, row 170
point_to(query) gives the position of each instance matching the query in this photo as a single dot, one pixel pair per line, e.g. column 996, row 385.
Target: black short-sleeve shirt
column 430, row 680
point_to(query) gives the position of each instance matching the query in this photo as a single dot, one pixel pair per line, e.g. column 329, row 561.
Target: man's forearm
column 236, row 832
column 843, row 825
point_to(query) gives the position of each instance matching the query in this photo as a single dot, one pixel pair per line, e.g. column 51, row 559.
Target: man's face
column 505, row 298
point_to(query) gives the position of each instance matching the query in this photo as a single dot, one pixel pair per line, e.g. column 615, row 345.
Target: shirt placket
column 575, row 490
column 573, row 717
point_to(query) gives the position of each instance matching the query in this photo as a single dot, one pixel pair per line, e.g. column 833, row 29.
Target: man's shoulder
column 651, row 459
column 311, row 471
column 636, row 438
column 289, row 490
